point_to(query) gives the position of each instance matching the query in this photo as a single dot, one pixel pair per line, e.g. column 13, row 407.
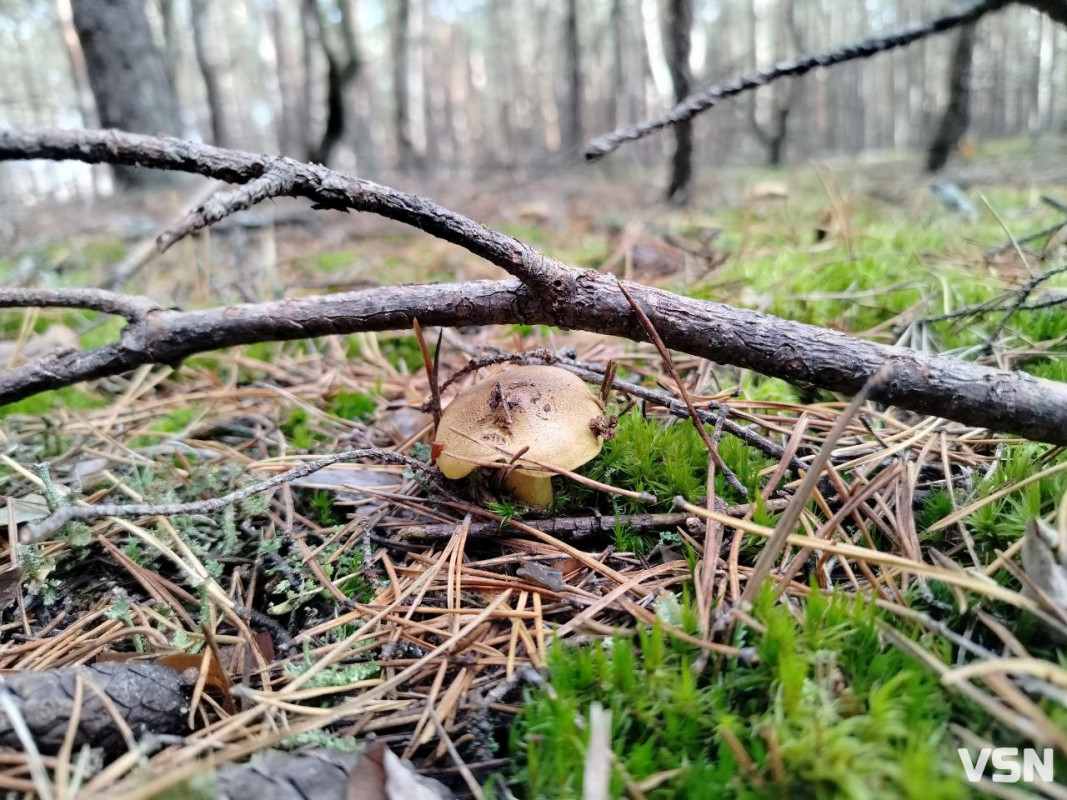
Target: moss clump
column 828, row 711
column 49, row 402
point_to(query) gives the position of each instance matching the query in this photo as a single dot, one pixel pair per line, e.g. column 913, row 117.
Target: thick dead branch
column 701, row 101
column 550, row 293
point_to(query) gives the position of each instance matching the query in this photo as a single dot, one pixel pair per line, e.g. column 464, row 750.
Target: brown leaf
column 367, row 781
column 217, row 682
column 381, row 775
column 235, row 657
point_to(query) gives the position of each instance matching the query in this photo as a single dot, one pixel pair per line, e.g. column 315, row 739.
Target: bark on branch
column 549, row 293
column 701, row 101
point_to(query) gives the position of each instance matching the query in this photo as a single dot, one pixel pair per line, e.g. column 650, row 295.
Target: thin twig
column 787, row 522
column 574, row 528
column 52, row 523
column 132, row 307
column 431, row 373
column 1021, row 296
column 541, row 354
column 650, row 329
column 277, row 181
column 702, row 101
column 1048, row 230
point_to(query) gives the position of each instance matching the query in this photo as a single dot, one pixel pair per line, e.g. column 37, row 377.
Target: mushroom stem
column 534, row 489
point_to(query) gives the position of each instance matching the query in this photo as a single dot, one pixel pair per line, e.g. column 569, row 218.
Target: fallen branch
column 703, row 100
column 550, row 293
column 56, row 520
column 135, row 309
column 573, row 528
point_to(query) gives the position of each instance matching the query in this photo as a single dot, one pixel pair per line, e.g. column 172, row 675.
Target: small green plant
column 667, row 458
column 506, row 511
column 325, row 512
column 335, row 676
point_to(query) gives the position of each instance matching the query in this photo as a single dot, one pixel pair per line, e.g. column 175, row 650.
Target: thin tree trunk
column 957, row 114
column 80, row 74
column 618, row 65
column 1057, row 9
column 168, row 15
column 220, row 133
column 341, row 71
column 502, row 53
column 310, row 46
column 572, row 46
column 290, row 140
column 679, row 34
column 114, row 35
column 407, row 158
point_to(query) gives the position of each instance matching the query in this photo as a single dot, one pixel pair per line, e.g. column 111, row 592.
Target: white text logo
column 1009, row 767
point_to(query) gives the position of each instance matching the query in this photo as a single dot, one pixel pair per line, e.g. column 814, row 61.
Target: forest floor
column 497, row 653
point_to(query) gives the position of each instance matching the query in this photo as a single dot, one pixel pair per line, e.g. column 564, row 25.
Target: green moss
column 1041, row 325
column 353, row 405
column 325, row 512
column 997, row 525
column 335, row 260
column 403, row 352
column 106, row 331
column 52, row 401
column 103, row 252
column 298, row 431
column 1053, row 370
column 841, row 712
column 176, row 421
column 647, row 455
column 533, row 235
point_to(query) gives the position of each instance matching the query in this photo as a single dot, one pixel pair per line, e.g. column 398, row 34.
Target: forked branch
column 549, row 293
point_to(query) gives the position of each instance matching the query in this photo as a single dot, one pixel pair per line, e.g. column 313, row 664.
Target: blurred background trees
column 464, row 88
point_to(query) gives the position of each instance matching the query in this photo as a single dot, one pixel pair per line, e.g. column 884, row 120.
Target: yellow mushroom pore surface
column 546, row 409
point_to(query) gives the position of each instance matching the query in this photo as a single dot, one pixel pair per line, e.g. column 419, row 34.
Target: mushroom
column 546, row 409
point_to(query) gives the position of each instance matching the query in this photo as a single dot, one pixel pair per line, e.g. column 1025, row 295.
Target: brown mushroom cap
column 547, row 409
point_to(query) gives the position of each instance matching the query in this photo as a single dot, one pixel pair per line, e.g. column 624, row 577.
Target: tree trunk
column 774, row 138
column 407, row 158
column 341, row 71
column 572, row 46
column 958, row 112
column 1057, row 9
column 618, row 65
column 290, row 139
column 220, row 134
column 127, row 74
column 309, row 46
column 679, row 34
column 80, row 74
column 168, row 16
